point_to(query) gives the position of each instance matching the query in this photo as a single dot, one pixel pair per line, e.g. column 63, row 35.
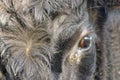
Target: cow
column 46, row 40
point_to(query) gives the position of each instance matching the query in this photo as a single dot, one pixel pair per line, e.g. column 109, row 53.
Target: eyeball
column 85, row 42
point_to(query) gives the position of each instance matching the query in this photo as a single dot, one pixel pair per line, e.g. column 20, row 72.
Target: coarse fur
column 106, row 16
column 39, row 40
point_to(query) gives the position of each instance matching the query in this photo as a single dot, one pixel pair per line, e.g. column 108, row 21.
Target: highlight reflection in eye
column 85, row 42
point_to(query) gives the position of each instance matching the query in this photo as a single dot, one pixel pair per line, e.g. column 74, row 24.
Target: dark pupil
column 86, row 42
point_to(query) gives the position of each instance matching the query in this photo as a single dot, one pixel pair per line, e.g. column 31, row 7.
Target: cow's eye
column 85, row 42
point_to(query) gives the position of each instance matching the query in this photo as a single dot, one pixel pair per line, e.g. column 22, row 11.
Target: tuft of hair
column 25, row 38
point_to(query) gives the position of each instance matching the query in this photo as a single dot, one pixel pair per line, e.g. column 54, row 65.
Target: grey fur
column 106, row 16
column 38, row 37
